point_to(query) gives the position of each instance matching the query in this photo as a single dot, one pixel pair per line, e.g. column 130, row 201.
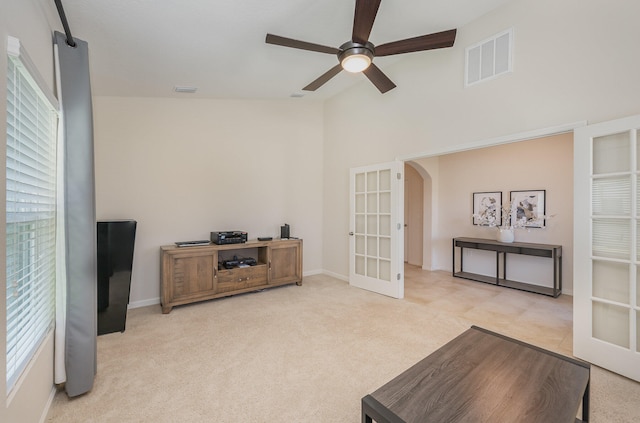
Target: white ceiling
column 144, row 48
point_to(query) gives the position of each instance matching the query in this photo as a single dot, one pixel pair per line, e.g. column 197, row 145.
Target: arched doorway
column 418, row 215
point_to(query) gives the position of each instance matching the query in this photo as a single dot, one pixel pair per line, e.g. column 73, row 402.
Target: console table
column 554, row 252
column 482, row 376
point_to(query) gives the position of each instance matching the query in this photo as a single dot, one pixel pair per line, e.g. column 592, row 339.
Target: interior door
column 376, row 229
column 606, row 244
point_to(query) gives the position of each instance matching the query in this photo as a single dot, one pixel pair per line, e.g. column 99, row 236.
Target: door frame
column 489, row 142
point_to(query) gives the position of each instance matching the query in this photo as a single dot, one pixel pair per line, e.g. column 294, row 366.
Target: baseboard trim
column 144, row 303
column 47, row 407
column 155, row 301
column 336, row 275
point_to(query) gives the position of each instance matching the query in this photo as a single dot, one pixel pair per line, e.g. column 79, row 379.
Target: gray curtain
column 74, row 94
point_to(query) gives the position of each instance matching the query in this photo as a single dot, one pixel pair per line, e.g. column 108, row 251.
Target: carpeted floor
column 310, row 353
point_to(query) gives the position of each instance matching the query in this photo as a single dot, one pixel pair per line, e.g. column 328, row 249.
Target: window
column 489, row 58
column 30, row 211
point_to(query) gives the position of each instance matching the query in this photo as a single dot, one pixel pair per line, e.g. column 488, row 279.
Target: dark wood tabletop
column 482, row 376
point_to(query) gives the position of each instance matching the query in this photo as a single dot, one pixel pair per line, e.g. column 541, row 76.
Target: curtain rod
column 65, row 24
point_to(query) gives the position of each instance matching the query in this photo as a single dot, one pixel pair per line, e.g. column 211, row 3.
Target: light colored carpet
column 310, row 353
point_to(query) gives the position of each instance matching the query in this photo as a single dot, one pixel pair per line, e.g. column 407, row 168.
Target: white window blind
column 30, row 211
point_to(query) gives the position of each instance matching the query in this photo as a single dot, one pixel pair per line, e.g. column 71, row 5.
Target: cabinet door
column 193, row 275
column 285, row 262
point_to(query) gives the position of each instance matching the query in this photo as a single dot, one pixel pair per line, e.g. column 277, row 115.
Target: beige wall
column 540, row 164
column 32, row 22
column 185, row 167
column 573, row 61
column 414, row 215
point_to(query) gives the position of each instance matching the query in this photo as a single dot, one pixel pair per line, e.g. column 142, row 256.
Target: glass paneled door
column 607, row 246
column 376, row 230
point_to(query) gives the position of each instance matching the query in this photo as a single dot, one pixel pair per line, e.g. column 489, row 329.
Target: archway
column 418, row 215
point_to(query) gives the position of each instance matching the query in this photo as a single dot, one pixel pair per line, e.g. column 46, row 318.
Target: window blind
column 30, row 212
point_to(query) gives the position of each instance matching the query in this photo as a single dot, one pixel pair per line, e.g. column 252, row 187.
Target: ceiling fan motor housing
column 351, row 48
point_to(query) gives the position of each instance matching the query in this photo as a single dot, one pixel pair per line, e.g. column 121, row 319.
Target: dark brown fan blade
column 363, row 18
column 425, row 42
column 303, row 45
column 378, row 78
column 323, row 78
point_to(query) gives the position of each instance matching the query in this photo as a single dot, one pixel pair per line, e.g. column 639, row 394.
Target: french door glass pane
column 372, row 267
column 360, row 186
column 360, row 203
column 360, row 265
column 372, row 246
column 637, row 330
column 372, row 224
column 638, row 196
column 385, row 202
column 638, row 288
column 385, row 248
column 611, row 238
column 385, row 180
column 360, row 226
column 638, row 242
column 385, row 225
column 372, row 203
column 611, row 323
column 372, row 181
column 611, row 153
column 611, row 281
column 385, row 270
column 360, row 244
column 638, row 149
column 612, row 196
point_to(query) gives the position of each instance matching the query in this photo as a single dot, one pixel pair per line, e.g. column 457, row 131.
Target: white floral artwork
column 487, row 208
column 528, row 208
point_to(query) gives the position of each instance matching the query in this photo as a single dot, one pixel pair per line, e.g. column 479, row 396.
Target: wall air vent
column 489, row 58
column 185, row 89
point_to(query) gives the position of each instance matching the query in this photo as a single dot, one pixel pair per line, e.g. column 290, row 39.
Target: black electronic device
column 229, row 237
column 265, row 238
column 237, row 262
column 284, row 231
column 193, row 243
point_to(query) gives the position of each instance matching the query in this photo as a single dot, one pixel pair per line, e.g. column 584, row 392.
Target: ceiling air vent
column 489, row 58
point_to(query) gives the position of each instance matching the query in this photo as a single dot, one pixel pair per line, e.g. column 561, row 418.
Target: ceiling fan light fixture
column 355, row 57
column 356, row 63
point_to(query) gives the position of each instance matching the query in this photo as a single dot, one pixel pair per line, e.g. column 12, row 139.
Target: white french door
column 376, row 229
column 606, row 310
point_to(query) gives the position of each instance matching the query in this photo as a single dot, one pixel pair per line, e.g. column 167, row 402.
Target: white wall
column 573, row 60
column 185, row 167
column 31, row 21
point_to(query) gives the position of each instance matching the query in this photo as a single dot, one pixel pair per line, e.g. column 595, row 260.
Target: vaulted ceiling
column 145, row 48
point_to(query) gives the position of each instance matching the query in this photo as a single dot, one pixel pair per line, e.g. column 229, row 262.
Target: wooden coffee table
column 482, row 376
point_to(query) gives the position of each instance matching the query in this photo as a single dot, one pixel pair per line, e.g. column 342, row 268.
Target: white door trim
column 489, row 142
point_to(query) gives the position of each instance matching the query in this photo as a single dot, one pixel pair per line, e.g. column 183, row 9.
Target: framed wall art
column 529, row 208
column 487, row 208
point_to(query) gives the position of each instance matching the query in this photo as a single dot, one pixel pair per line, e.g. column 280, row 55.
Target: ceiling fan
column 357, row 55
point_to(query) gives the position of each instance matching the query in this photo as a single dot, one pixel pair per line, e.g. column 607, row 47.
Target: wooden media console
column 191, row 274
